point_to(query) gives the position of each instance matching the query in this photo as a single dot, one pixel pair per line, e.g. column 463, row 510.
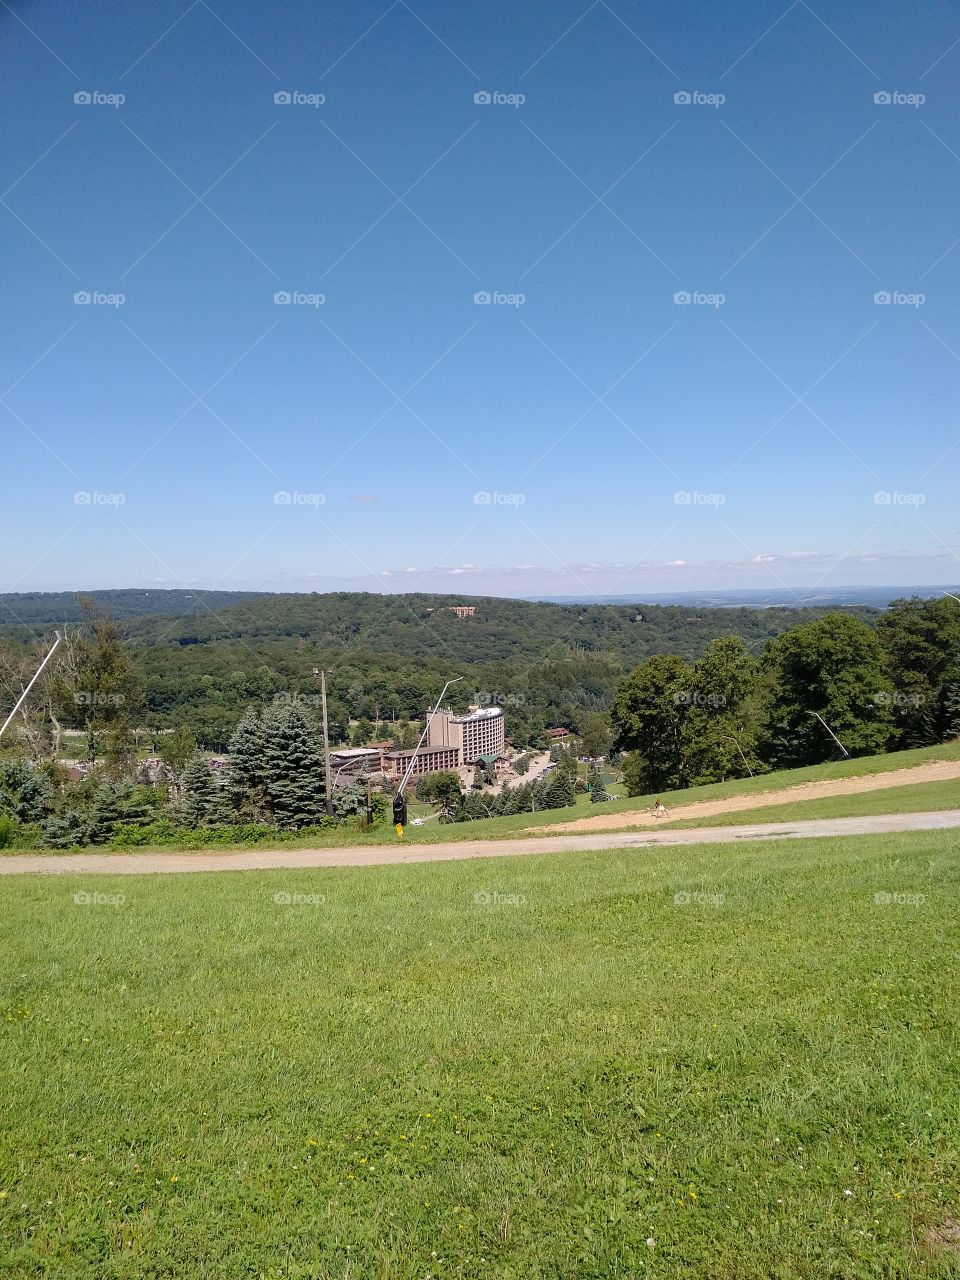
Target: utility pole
column 832, row 734
column 326, row 743
column 32, row 682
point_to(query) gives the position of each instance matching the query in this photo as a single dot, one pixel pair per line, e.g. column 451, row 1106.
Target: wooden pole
column 326, row 743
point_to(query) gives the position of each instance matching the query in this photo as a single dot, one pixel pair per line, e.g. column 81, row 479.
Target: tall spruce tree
column 293, row 759
column 560, row 791
column 276, row 768
column 202, row 800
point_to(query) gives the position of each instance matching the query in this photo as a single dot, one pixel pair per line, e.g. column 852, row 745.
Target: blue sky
column 586, row 430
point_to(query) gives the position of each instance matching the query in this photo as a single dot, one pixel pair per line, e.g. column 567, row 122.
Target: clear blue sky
column 581, row 412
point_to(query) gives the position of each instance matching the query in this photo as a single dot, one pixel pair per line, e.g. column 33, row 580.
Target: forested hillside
column 206, row 655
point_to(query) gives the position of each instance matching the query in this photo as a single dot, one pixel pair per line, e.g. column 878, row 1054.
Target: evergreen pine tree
column 951, row 711
column 293, row 767
column 247, row 792
column 560, row 792
column 598, row 792
column 201, row 801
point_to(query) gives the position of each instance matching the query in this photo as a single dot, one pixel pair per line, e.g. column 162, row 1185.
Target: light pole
column 730, row 738
column 426, row 729
column 832, row 734
column 952, row 596
column 32, row 682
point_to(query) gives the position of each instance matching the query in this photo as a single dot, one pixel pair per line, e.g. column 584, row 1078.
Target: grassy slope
column 919, row 797
column 519, row 824
column 402, row 1081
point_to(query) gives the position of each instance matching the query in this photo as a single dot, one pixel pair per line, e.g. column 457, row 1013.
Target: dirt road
column 937, row 771
column 266, row 859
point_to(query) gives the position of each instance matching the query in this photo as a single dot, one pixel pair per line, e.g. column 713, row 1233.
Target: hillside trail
column 936, row 771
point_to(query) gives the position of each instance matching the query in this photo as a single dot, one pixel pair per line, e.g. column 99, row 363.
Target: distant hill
column 206, row 655
column 764, row 598
column 48, row 608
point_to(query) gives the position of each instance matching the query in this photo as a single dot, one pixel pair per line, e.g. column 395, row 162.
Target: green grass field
column 722, row 1062
column 918, row 797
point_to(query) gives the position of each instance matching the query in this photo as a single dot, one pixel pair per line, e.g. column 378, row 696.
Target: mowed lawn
column 729, row 1061
column 918, row 797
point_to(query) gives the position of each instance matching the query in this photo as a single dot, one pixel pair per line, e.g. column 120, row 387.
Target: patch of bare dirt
column 936, row 771
column 946, row 1236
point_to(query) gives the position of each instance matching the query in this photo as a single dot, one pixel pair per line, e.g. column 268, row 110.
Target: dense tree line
column 830, row 686
column 206, row 659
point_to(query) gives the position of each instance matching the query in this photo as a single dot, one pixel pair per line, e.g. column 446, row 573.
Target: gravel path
column 267, row 859
column 936, row 771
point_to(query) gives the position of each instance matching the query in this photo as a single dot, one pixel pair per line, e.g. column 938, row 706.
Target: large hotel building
column 451, row 741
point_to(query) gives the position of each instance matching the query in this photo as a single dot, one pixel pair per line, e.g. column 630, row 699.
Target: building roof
column 354, row 753
column 489, row 759
column 485, row 713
